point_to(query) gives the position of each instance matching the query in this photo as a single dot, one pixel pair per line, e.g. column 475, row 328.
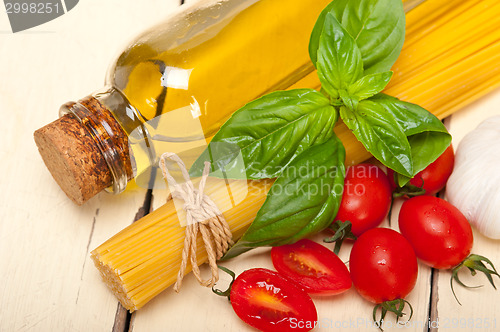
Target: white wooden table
column 47, row 281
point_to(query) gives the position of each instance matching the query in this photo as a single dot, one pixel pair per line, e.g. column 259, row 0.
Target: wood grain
column 48, row 282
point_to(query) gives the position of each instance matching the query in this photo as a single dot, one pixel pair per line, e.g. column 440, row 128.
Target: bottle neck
column 108, row 135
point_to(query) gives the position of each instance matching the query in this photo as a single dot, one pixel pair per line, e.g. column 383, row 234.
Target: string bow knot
column 203, row 216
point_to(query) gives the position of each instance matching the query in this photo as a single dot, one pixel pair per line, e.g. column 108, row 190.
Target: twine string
column 204, row 217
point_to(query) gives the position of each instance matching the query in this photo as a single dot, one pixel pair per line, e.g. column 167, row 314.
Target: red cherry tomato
column 366, row 199
column 383, row 265
column 269, row 302
column 438, row 231
column 433, row 177
column 317, row 269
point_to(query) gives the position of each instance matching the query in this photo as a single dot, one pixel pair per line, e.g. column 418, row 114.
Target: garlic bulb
column 474, row 184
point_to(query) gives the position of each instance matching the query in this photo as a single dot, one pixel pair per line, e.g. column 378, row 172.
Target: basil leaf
column 427, row 135
column 380, row 134
column 370, row 85
column 411, row 117
column 269, row 133
column 303, row 200
column 318, row 29
column 426, row 147
column 378, row 27
column 349, row 101
column 339, row 59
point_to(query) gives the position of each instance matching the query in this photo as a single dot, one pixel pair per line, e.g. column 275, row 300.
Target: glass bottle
column 173, row 88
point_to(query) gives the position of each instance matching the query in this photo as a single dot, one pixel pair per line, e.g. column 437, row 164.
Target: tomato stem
column 395, row 306
column 409, row 190
column 342, row 230
column 474, row 263
column 227, row 292
column 389, row 215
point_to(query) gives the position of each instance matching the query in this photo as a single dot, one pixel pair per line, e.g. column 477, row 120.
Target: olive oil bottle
column 173, row 88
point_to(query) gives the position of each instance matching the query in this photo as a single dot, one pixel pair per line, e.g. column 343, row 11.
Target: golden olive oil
column 186, row 77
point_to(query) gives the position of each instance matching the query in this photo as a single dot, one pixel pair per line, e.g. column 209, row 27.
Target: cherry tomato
column 433, row 177
column 438, row 231
column 383, row 265
column 269, row 302
column 317, row 269
column 366, row 199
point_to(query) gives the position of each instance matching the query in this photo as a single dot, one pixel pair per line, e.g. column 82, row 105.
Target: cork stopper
column 73, row 158
column 86, row 150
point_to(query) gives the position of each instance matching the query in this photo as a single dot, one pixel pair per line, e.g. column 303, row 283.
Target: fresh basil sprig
column 353, row 46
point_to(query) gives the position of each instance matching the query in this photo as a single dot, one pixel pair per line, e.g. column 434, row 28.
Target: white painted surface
column 47, row 282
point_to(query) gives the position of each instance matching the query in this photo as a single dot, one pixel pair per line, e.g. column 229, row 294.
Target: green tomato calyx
column 474, row 263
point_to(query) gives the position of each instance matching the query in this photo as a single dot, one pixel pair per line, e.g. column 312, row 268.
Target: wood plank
column 48, row 281
column 479, row 309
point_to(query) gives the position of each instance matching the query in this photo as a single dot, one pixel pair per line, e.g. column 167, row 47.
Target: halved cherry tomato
column 317, row 269
column 366, row 199
column 438, row 231
column 270, row 302
column 383, row 265
column 434, row 177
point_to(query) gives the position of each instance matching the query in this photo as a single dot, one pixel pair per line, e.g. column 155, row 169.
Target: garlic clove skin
column 474, row 185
